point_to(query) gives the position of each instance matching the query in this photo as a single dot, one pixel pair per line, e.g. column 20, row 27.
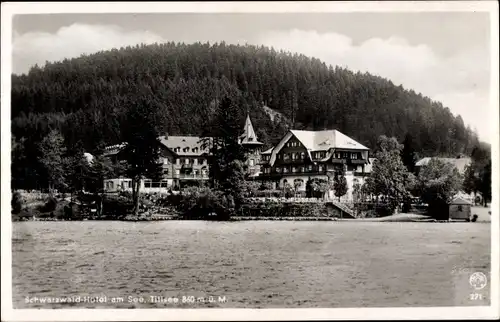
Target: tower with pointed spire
column 249, row 140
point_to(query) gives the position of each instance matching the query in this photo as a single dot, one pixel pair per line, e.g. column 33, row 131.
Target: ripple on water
column 245, row 261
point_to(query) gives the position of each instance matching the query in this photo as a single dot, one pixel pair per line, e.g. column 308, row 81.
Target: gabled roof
column 249, row 136
column 188, row 145
column 113, row 149
column 369, row 165
column 268, row 151
column 325, row 140
column 459, row 163
column 459, row 201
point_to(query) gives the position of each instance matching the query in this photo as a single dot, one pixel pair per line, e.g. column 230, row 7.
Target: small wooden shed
column 459, row 208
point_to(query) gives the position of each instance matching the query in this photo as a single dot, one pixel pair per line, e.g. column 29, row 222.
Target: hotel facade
column 307, row 155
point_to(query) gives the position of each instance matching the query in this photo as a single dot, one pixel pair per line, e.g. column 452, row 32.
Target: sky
column 443, row 55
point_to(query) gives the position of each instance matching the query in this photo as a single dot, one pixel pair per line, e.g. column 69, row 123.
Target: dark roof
column 113, row 149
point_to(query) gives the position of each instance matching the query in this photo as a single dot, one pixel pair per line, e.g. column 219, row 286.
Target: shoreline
column 239, row 219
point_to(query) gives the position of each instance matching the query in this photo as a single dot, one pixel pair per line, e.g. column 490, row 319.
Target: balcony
column 290, row 161
column 184, row 176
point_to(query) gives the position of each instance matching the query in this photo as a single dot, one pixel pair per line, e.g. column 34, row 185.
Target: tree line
column 87, row 100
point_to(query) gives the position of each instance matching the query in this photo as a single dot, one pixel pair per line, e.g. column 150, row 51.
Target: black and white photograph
column 199, row 158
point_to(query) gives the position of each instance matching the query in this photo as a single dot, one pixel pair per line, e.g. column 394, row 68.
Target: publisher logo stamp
column 478, row 280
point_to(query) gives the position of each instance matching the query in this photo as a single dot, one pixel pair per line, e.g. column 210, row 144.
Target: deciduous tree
column 390, row 178
column 438, row 182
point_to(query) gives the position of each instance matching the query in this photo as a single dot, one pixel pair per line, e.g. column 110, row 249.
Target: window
column 294, row 169
column 195, row 161
column 109, row 184
column 185, row 149
column 302, row 169
column 320, row 168
column 177, row 149
column 354, row 156
column 177, row 172
column 186, row 161
column 337, row 155
column 302, row 155
column 195, row 172
column 294, row 156
column 165, row 171
column 165, row 161
column 164, row 184
column 309, row 167
column 278, row 169
column 195, row 150
column 178, row 161
column 252, row 162
column 460, row 208
column 285, row 169
column 285, row 156
column 147, row 183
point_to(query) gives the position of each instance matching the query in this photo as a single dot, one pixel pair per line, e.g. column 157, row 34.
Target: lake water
column 246, row 264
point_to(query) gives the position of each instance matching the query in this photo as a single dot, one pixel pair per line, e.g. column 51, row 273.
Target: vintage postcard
column 250, row 161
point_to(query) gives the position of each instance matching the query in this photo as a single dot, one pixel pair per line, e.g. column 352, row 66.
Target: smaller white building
column 146, row 185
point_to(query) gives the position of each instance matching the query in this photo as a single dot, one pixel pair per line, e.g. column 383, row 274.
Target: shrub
column 384, row 210
column 269, row 193
column 17, row 202
column 115, row 207
column 49, row 206
column 203, row 203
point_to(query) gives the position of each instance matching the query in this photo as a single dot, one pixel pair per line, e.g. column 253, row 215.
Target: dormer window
column 177, row 149
column 195, row 150
column 186, row 150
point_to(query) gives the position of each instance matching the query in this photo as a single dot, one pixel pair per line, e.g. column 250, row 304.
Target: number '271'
column 475, row 297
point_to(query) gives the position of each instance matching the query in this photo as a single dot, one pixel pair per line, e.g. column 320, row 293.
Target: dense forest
column 86, row 98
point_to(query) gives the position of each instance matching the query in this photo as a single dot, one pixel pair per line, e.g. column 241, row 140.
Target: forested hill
column 86, row 97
